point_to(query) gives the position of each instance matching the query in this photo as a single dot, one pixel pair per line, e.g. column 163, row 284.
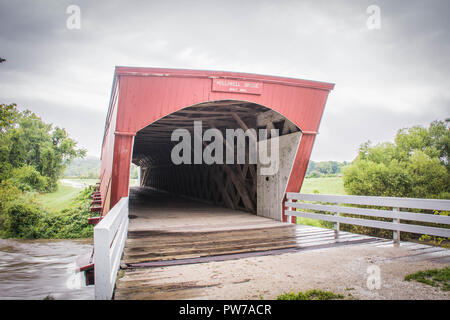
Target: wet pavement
column 35, row 269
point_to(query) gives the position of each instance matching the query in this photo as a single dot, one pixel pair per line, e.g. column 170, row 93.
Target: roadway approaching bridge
column 197, row 211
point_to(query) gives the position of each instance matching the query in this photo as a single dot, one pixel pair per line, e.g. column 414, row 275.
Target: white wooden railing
column 337, row 207
column 109, row 240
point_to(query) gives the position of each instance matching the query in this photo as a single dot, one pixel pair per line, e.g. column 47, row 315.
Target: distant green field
column 60, row 199
column 327, row 185
column 68, row 190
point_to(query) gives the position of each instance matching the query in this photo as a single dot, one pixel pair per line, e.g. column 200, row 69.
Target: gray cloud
column 385, row 79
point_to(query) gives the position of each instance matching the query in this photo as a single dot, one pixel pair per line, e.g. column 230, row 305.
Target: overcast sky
column 388, row 78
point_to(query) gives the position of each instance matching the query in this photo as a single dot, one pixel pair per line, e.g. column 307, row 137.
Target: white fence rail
column 337, row 207
column 109, row 240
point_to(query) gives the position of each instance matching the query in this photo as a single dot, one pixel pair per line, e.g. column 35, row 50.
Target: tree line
column 415, row 165
column 324, row 168
column 33, row 156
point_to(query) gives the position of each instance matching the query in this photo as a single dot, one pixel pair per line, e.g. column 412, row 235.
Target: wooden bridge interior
column 231, row 186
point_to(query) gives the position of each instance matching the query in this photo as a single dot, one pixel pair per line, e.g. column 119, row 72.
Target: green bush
column 8, row 193
column 416, row 165
column 21, row 216
column 419, row 177
column 21, row 220
column 72, row 222
column 27, row 178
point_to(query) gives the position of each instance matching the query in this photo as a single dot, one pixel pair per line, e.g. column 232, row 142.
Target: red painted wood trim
column 125, row 133
column 167, row 72
column 94, row 220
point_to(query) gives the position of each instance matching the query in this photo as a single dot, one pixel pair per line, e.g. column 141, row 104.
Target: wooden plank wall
column 233, row 186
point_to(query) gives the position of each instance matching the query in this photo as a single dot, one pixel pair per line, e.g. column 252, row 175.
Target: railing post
column 336, row 225
column 286, row 205
column 396, row 233
column 102, row 268
column 109, row 240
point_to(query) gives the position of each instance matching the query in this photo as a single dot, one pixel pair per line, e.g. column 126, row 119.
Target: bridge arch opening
column 144, row 102
column 240, row 185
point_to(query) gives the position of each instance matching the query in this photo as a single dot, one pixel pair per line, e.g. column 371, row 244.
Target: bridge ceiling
column 230, row 185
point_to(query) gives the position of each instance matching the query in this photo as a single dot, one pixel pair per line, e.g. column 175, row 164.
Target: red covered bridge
column 147, row 104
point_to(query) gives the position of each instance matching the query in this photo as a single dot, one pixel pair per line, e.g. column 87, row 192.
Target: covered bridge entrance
column 149, row 104
column 217, row 152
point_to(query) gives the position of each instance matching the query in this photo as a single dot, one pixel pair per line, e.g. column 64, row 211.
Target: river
column 35, row 269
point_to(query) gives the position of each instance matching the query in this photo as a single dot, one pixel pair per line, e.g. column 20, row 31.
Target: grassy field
column 68, row 190
column 60, row 199
column 327, row 185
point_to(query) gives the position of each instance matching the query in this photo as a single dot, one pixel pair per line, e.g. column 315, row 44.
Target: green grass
column 61, row 199
column 315, row 223
column 433, row 277
column 324, row 185
column 314, row 294
column 66, row 193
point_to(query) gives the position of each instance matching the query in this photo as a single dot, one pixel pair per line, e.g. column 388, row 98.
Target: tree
column 434, row 141
column 29, row 146
column 318, row 169
column 8, row 114
column 415, row 165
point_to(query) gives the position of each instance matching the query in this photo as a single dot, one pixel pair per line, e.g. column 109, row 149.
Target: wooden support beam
column 244, row 126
